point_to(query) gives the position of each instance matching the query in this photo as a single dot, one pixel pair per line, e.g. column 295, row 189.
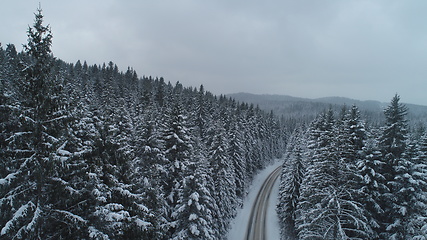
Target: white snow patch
column 96, row 234
column 192, row 217
column 240, row 223
column 36, row 216
column 71, row 216
column 195, row 196
column 8, row 178
column 142, row 224
column 114, row 206
column 21, row 212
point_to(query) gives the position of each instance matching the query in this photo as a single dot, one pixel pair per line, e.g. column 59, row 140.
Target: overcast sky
column 362, row 49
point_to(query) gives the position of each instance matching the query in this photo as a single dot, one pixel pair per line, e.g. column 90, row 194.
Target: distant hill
column 305, row 109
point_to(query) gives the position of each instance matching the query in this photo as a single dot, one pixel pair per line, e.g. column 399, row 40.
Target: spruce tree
column 293, row 171
column 224, row 183
column 148, row 169
column 393, row 145
column 196, row 206
column 372, row 185
column 177, row 148
column 327, row 208
column 236, row 152
column 39, row 144
column 416, row 180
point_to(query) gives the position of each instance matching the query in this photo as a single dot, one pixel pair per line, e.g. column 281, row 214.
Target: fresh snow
column 8, row 178
column 142, row 224
column 73, row 217
column 194, row 230
column 240, row 223
column 21, row 212
column 193, row 217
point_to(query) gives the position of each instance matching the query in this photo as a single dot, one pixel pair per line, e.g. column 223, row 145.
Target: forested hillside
column 345, row 180
column 296, row 110
column 90, row 152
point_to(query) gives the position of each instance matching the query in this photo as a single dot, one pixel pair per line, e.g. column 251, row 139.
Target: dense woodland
column 295, row 111
column 346, row 179
column 90, row 152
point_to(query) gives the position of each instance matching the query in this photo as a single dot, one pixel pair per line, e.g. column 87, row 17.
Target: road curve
column 256, row 229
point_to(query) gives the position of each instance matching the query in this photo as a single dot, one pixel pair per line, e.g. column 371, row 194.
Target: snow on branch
column 96, row 234
column 8, row 178
column 20, row 213
column 71, row 216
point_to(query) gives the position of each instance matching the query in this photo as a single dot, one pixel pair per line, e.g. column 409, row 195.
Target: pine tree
column 8, row 121
column 224, row 193
column 416, row 179
column 418, row 221
column 349, row 145
column 372, row 185
column 393, row 146
column 38, row 144
column 293, row 171
column 148, row 169
column 394, row 134
column 236, row 152
column 196, row 205
column 201, row 112
column 177, row 149
column 326, row 209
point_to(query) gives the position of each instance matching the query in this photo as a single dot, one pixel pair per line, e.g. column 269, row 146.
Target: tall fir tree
column 224, row 192
column 38, row 144
column 393, row 141
column 196, row 205
column 293, row 171
column 372, row 185
column 177, row 148
column 327, row 208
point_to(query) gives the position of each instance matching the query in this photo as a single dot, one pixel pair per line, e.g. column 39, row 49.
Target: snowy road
column 258, row 218
column 257, row 229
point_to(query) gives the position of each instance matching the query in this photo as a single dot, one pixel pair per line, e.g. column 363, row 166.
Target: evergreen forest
column 91, row 152
column 346, row 179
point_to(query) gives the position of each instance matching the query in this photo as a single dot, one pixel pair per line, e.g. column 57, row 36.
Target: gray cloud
column 361, row 49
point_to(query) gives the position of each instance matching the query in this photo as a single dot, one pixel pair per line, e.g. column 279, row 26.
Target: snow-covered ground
column 240, row 223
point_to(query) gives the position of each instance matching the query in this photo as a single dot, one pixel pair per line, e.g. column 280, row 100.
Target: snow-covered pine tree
column 196, row 205
column 349, row 145
column 128, row 191
column 222, row 168
column 8, row 122
column 293, row 171
column 13, row 72
column 160, row 92
column 275, row 135
column 177, row 148
column 372, row 185
column 326, row 209
column 420, row 168
column 416, row 221
column 312, row 213
column 236, row 152
column 250, row 144
column 148, row 169
column 393, row 145
column 38, row 144
column 202, row 112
